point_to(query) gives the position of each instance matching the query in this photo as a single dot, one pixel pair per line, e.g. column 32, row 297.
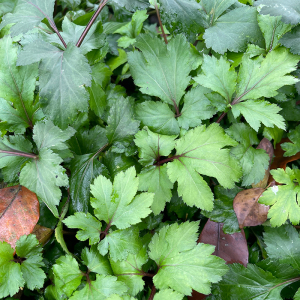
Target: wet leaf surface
column 19, row 213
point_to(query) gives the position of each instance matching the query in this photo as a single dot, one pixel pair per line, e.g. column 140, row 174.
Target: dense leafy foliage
column 136, row 121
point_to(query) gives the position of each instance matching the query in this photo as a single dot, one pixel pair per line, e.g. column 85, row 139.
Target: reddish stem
column 160, row 24
column 221, row 117
column 23, row 154
column 153, row 291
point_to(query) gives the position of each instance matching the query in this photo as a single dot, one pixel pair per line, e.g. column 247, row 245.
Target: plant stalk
column 90, row 24
column 160, row 23
column 23, row 154
column 153, row 291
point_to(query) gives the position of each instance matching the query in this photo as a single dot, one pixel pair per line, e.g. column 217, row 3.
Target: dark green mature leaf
column 28, row 14
column 63, row 75
column 14, row 275
column 254, row 162
column 291, row 40
column 121, row 125
column 294, row 147
column 289, row 9
column 200, row 151
column 183, row 16
column 17, row 85
column 283, row 243
column 250, row 283
column 132, row 5
column 162, row 70
column 184, row 265
column 233, row 36
column 283, row 198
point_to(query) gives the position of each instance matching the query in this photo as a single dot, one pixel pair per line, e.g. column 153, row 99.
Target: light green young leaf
column 250, row 283
column 294, row 147
column 200, row 151
column 158, row 117
column 63, row 77
column 291, row 40
column 89, row 225
column 28, row 14
column 95, row 262
column 233, row 36
column 67, row 270
column 17, row 86
column 273, row 29
column 218, row 76
column 60, row 237
column 100, row 289
column 289, row 9
column 182, row 16
column 257, row 79
column 274, row 133
column 181, row 261
column 168, row 294
column 254, row 162
column 297, row 295
column 259, row 111
column 121, row 243
column 117, row 204
column 162, row 70
column 283, row 243
column 283, row 198
column 121, row 125
column 44, row 176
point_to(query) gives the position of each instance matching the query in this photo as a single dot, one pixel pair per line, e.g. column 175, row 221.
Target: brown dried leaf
column 19, row 213
column 42, row 233
column 248, row 211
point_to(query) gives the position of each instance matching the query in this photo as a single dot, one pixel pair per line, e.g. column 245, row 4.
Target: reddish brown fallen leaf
column 19, row 213
column 247, row 209
column 279, row 160
column 42, row 233
column 231, row 247
column 268, row 147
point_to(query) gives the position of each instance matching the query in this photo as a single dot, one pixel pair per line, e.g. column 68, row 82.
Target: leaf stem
column 221, row 117
column 160, row 23
column 89, row 25
column 153, row 291
column 23, row 154
column 159, row 163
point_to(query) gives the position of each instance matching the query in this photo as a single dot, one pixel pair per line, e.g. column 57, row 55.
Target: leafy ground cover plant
column 158, row 141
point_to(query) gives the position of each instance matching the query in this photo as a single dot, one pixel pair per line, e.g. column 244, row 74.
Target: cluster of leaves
column 131, row 132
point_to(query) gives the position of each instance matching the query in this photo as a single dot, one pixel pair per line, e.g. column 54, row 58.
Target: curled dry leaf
column 42, row 233
column 248, row 211
column 19, row 213
column 279, row 160
column 231, row 247
column 268, row 147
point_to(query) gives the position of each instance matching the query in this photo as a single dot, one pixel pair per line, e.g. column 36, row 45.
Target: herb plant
column 136, row 123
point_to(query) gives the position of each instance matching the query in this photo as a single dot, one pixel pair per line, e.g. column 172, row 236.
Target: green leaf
column 162, row 70
column 223, row 211
column 116, row 203
column 121, row 243
column 168, row 294
column 72, row 3
column 289, row 9
column 10, row 162
column 60, row 237
column 95, row 262
column 274, row 133
column 44, row 176
column 63, row 75
column 283, row 243
column 17, row 86
column 7, row 6
column 67, row 270
column 132, row 5
column 200, row 151
column 121, row 125
column 100, row 289
column 259, row 111
column 158, row 117
column 181, row 261
column 294, row 147
column 28, row 14
column 89, row 225
column 273, row 29
column 184, row 16
column 218, row 76
column 297, row 295
column 130, row 271
column 254, row 162
column 233, row 36
column 283, row 198
column 250, row 283
column 256, row 79
column 215, row 8
column 291, row 40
